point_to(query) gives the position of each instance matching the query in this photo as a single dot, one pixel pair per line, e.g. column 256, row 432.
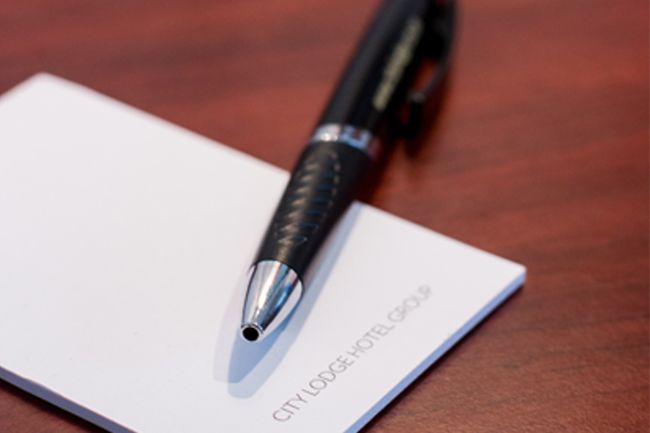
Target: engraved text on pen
column 397, row 63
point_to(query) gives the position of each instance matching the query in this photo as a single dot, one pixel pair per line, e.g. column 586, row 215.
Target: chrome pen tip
column 273, row 292
column 251, row 332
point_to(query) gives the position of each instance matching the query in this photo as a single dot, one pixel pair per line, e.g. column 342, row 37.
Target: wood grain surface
column 540, row 154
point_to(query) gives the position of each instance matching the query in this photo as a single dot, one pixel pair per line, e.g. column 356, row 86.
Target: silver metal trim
column 358, row 138
column 273, row 291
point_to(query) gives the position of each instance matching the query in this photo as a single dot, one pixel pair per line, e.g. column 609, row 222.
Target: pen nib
column 274, row 290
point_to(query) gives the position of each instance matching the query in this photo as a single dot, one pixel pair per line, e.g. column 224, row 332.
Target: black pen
column 371, row 95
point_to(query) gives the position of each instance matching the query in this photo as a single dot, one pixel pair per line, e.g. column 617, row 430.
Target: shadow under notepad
column 245, row 366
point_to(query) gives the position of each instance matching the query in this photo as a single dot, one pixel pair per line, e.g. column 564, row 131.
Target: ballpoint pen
column 372, row 96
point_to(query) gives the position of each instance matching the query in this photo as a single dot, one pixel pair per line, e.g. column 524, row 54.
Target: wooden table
column 540, row 155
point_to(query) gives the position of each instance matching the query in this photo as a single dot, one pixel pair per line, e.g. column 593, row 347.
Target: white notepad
column 124, row 241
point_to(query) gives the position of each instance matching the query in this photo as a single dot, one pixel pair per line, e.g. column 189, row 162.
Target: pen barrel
column 373, row 85
column 323, row 184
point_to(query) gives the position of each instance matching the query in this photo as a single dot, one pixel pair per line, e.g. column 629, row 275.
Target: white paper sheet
column 124, row 241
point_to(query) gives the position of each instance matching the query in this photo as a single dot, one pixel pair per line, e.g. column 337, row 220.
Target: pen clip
column 423, row 102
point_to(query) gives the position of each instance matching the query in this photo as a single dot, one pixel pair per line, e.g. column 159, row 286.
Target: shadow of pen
column 245, row 366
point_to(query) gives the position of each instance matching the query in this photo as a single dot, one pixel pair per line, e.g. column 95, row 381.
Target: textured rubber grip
column 323, row 184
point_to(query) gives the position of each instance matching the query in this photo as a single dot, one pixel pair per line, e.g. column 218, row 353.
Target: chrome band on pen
column 358, row 138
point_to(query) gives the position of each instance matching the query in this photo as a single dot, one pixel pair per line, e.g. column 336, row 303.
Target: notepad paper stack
column 124, row 243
